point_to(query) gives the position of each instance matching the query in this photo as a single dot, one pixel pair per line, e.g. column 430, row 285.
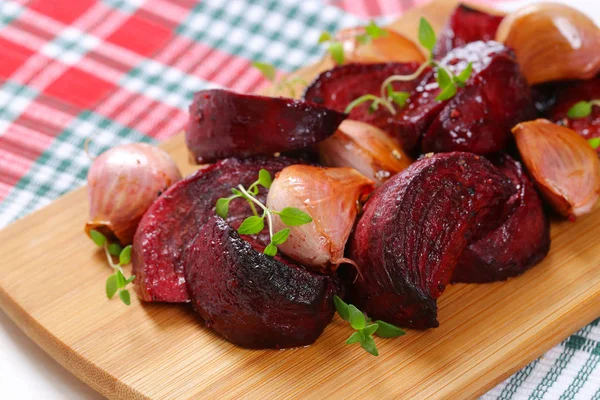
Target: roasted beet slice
column 175, row 218
column 251, row 299
column 518, row 244
column 479, row 117
column 422, row 107
column 414, row 229
column 339, row 86
column 466, row 25
column 569, row 93
column 227, row 124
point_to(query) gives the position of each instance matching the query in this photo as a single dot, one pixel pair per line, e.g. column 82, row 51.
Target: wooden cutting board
column 52, row 285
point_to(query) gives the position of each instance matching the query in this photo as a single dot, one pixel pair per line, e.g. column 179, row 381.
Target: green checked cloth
column 121, row 71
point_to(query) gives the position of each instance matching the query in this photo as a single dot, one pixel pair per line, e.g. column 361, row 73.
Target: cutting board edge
column 107, row 385
column 544, row 345
column 111, row 387
column 86, row 371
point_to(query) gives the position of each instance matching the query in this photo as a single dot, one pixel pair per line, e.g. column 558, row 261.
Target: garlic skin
column 366, row 148
column 552, row 42
column 391, row 47
column 565, row 168
column 122, row 183
column 331, row 197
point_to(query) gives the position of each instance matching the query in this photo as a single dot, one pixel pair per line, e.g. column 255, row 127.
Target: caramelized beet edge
column 414, row 229
column 175, row 218
column 251, row 299
column 341, row 85
column 227, row 124
column 466, row 25
column 518, row 244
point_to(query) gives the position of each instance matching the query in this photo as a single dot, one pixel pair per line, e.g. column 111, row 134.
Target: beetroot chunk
column 478, row 118
column 518, row 244
column 569, row 93
column 251, row 299
column 227, row 124
column 414, row 229
column 422, row 107
column 339, row 86
column 466, row 25
column 177, row 215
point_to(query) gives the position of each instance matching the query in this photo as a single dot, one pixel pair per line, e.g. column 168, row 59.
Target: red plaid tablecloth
column 119, row 71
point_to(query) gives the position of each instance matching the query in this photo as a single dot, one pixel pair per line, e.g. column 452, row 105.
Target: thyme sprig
column 336, row 47
column 364, row 327
column 447, row 81
column 255, row 224
column 117, row 281
column 270, row 73
column 582, row 109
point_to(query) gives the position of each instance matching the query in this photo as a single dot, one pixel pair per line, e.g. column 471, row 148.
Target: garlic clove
column 563, row 165
column 331, row 196
column 122, row 183
column 366, row 148
column 390, row 47
column 552, row 42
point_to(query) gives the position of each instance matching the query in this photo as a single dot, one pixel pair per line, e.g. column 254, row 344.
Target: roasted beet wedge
column 175, row 218
column 569, row 93
column 251, row 299
column 227, row 124
column 422, row 107
column 479, row 117
column 414, row 229
column 466, row 25
column 518, row 244
column 339, row 86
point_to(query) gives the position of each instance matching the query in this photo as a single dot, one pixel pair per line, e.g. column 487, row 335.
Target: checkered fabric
column 120, row 71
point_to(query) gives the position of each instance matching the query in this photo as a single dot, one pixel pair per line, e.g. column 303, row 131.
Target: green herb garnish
column 117, row 281
column 594, row 142
column 336, row 48
column 266, row 69
column 254, row 224
column 427, row 36
column 363, row 326
column 582, row 109
column 447, row 81
column 270, row 73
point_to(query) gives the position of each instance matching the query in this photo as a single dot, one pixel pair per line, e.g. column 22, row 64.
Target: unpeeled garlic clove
column 331, row 196
column 366, row 148
column 552, row 42
column 122, row 183
column 390, row 47
column 563, row 165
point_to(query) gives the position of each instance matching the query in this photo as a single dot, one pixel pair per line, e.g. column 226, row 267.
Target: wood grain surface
column 52, row 285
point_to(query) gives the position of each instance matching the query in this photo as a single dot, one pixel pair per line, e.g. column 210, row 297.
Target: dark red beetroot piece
column 518, row 244
column 175, row 218
column 569, row 93
column 466, row 25
column 422, row 107
column 414, row 229
column 479, row 117
column 341, row 85
column 251, row 299
column 227, row 124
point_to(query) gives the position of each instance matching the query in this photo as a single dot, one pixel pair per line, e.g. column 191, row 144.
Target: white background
column 26, row 372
